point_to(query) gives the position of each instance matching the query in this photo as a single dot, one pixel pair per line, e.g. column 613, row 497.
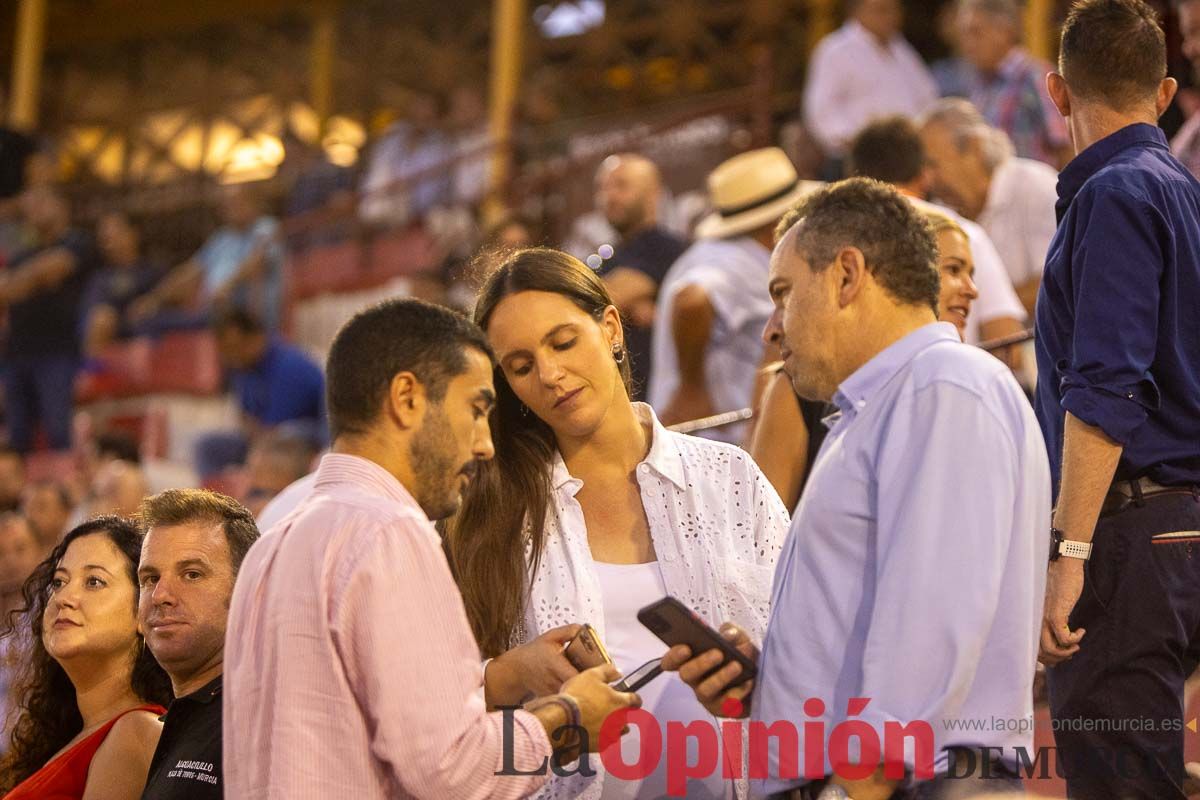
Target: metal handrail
column 714, row 421
column 730, row 417
column 1006, row 341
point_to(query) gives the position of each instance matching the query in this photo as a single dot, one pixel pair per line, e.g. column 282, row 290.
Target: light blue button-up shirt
column 914, row 571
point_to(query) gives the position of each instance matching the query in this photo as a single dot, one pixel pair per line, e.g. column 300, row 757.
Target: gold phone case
column 586, row 650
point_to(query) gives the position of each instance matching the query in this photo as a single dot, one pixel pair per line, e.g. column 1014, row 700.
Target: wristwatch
column 1061, row 546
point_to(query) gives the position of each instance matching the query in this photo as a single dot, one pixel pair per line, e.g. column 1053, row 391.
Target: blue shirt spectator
column 224, row 253
column 278, row 387
column 1122, row 278
column 241, row 264
column 914, row 571
column 125, row 276
column 283, row 385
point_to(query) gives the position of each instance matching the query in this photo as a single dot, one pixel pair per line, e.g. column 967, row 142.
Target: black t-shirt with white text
column 187, row 762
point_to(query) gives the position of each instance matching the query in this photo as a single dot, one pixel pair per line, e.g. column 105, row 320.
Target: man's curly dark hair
column 44, row 697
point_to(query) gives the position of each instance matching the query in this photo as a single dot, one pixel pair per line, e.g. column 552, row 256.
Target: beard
column 432, row 453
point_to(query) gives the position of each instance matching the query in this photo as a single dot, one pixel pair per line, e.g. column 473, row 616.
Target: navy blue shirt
column 651, row 251
column 1118, row 314
column 284, row 386
column 47, row 322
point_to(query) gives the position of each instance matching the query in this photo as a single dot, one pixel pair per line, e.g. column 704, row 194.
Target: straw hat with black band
column 750, row 191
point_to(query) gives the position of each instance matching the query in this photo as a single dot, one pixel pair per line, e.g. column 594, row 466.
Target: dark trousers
column 39, row 388
column 1117, row 704
column 972, row 776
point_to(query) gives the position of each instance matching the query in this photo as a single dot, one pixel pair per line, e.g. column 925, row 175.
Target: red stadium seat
column 185, row 362
column 325, row 268
column 46, row 465
column 125, row 372
column 399, row 253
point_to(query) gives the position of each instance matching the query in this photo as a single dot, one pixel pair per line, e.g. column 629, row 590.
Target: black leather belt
column 1135, row 493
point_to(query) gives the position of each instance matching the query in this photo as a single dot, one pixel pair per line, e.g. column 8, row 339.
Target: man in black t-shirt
column 194, row 544
column 628, row 191
column 43, row 288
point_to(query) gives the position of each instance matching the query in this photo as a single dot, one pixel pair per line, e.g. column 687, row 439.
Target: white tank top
column 625, row 589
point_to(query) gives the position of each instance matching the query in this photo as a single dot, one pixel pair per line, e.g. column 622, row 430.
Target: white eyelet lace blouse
column 717, row 526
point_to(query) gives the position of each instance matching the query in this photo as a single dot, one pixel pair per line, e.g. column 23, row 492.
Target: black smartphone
column 640, row 676
column 674, row 623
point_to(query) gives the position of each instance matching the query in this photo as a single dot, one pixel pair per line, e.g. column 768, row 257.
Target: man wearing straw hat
column 706, row 345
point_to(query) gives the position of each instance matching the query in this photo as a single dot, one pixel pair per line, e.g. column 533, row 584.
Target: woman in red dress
column 90, row 693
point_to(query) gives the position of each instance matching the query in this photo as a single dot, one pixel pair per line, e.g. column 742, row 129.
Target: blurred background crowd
column 195, row 196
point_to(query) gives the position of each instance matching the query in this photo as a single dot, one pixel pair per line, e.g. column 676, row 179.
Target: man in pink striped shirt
column 351, row 671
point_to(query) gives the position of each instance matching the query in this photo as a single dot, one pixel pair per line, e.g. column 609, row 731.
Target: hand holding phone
column 719, row 668
column 586, row 650
column 640, row 676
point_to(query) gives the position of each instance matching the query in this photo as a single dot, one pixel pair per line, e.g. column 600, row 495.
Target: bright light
column 568, row 17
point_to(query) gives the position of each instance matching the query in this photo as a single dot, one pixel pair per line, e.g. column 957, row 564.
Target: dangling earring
column 524, row 410
column 618, row 353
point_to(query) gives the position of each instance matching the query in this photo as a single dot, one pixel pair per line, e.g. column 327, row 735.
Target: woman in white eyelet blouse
column 591, row 510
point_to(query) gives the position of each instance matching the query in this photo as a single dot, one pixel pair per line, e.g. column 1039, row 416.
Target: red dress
column 65, row 777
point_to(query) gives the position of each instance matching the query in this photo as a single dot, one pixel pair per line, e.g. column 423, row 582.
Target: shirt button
column 642, row 468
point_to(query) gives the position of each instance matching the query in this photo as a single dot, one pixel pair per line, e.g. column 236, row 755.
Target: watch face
column 1056, row 539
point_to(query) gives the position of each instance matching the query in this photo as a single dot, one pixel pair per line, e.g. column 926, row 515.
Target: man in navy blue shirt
column 277, row 386
column 1118, row 398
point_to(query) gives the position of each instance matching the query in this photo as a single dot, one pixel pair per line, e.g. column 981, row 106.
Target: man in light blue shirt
column 240, row 264
column 913, row 574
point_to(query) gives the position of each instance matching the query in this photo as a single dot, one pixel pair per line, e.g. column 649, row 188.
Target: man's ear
column 851, row 269
column 1166, row 93
column 406, row 400
column 1056, row 85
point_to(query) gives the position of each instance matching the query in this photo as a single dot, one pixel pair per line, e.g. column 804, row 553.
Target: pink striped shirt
column 350, row 668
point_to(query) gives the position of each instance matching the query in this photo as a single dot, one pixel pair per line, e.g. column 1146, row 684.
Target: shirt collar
column 856, row 28
column 664, row 457
column 205, row 694
column 1089, row 162
column 341, row 469
column 856, row 391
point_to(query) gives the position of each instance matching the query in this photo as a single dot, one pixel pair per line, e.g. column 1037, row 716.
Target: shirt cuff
column 1116, row 409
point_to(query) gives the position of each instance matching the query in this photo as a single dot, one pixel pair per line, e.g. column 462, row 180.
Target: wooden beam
column 28, row 48
column 322, row 56
column 1039, row 29
column 508, row 30
column 109, row 22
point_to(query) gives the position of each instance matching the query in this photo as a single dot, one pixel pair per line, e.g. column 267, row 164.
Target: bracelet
column 564, row 701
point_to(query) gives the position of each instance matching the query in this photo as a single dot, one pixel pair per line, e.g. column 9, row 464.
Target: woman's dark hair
column 486, row 541
column 44, row 697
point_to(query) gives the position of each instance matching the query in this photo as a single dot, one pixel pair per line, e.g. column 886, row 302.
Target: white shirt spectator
column 717, row 526
column 853, row 79
column 734, row 273
column 997, row 298
column 1019, row 217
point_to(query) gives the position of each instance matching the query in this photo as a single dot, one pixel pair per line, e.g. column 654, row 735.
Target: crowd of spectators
column 973, row 141
column 987, row 153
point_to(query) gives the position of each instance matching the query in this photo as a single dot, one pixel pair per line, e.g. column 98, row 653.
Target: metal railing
column 730, row 417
